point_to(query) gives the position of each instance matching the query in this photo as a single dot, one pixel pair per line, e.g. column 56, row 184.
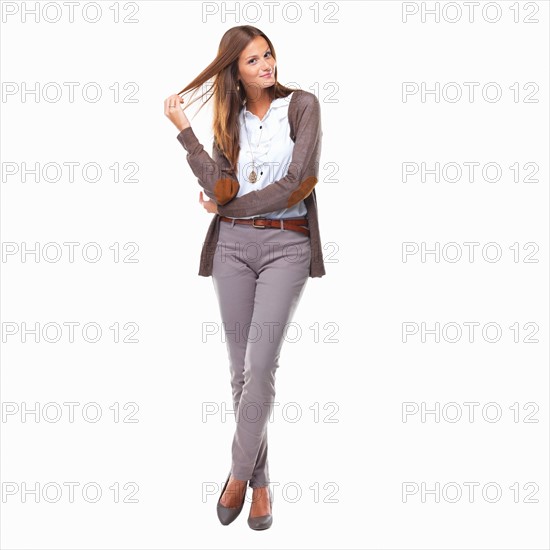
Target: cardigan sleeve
column 213, row 172
column 302, row 174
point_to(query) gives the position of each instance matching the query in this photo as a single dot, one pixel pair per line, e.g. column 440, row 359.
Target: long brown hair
column 228, row 100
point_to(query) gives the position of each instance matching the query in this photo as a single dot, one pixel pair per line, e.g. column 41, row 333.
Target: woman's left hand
column 210, row 206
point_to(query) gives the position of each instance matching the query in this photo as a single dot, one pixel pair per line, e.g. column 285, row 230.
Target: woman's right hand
column 174, row 112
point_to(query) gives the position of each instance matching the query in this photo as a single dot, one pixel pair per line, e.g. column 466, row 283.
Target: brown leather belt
column 294, row 224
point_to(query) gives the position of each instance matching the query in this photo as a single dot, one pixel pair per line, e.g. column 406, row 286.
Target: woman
column 263, row 242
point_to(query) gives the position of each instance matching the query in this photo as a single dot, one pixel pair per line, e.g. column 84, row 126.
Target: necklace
column 252, row 177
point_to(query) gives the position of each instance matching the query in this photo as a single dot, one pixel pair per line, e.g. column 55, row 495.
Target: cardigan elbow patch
column 225, row 189
column 305, row 188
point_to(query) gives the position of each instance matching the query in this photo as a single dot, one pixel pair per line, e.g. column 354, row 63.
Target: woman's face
column 256, row 61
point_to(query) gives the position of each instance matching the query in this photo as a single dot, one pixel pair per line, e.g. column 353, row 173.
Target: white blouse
column 272, row 148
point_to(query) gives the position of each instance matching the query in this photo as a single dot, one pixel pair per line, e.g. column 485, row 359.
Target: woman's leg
column 235, row 285
column 283, row 271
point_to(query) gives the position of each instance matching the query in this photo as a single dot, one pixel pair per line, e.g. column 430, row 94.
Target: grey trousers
column 259, row 276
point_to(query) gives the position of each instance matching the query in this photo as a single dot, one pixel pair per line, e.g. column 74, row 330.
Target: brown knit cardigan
column 219, row 183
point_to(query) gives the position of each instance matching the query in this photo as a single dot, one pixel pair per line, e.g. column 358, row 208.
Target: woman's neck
column 259, row 106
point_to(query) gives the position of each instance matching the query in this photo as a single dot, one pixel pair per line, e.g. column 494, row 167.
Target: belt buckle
column 258, row 226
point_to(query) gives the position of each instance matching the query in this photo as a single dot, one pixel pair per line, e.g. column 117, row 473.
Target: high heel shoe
column 262, row 522
column 227, row 515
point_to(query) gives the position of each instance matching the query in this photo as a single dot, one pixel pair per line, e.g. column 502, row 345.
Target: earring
column 238, row 87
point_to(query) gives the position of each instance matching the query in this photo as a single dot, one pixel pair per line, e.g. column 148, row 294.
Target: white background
column 364, row 52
